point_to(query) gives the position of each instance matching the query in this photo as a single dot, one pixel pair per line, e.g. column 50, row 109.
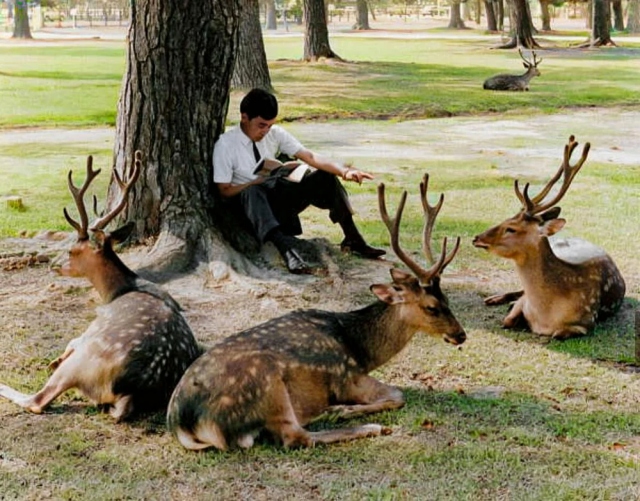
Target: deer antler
column 534, row 205
column 125, row 183
column 430, row 212
column 529, row 62
column 78, row 196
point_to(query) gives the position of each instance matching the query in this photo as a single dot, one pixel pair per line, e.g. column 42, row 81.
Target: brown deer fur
column 135, row 351
column 280, row 375
column 568, row 283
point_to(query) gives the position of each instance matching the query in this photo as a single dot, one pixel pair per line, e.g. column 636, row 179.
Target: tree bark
column 173, row 105
column 271, row 21
column 545, row 15
column 362, row 16
column 251, row 69
column 601, row 28
column 21, row 20
column 522, row 27
column 618, row 16
column 455, row 17
column 316, row 35
column 633, row 18
column 492, row 25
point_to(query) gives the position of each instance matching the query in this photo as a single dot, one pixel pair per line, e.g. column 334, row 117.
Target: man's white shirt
column 233, row 157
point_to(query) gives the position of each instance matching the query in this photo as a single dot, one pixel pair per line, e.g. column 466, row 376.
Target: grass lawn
column 506, row 417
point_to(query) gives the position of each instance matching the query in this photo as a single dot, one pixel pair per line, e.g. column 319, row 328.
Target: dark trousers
column 277, row 202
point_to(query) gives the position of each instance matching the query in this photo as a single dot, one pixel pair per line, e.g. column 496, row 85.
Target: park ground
column 505, row 416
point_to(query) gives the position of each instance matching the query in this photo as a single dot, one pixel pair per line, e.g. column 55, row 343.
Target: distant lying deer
column 135, row 351
column 568, row 283
column 280, row 375
column 515, row 82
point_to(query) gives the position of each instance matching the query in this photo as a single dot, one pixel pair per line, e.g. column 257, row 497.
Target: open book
column 292, row 171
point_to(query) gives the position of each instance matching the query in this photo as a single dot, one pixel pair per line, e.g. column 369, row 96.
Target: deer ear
column 553, row 226
column 388, row 293
column 122, row 233
column 400, row 277
column 551, row 214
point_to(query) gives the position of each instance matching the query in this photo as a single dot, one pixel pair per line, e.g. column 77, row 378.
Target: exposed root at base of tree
column 513, row 43
column 596, row 43
column 320, row 59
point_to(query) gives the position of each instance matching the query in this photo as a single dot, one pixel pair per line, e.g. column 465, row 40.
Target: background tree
column 521, row 26
column 633, row 17
column 21, row 19
column 316, row 35
column 545, row 14
column 362, row 15
column 601, row 25
column 251, row 68
column 455, row 16
column 271, row 22
column 173, row 104
column 618, row 15
column 490, row 11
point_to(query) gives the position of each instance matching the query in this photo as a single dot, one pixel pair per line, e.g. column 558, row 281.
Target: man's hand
column 355, row 175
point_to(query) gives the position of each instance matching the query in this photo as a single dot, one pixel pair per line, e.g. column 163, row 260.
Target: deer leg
column 569, row 332
column 515, row 316
column 122, row 408
column 345, row 434
column 503, row 298
column 369, row 395
column 36, row 403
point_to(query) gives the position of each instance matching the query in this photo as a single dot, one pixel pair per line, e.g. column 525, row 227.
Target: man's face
column 256, row 128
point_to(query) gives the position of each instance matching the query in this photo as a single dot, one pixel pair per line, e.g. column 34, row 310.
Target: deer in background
column 515, row 82
column 279, row 376
column 568, row 283
column 135, row 351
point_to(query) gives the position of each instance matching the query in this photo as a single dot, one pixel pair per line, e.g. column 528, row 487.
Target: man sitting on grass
column 272, row 202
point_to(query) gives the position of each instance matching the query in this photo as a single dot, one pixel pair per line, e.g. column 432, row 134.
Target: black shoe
column 295, row 263
column 361, row 249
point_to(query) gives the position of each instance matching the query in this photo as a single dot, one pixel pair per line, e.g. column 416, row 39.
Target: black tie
column 256, row 153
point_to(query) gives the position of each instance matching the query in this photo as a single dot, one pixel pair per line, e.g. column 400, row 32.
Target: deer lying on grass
column 515, row 82
column 282, row 374
column 568, row 283
column 135, row 351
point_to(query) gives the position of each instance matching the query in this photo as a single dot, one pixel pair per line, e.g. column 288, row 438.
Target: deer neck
column 537, row 266
column 375, row 334
column 112, row 279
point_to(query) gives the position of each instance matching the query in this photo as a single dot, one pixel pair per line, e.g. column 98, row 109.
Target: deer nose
column 456, row 339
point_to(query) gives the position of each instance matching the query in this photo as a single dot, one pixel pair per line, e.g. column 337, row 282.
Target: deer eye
column 509, row 230
column 433, row 311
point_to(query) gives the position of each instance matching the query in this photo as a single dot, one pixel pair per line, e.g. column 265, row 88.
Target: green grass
column 506, row 416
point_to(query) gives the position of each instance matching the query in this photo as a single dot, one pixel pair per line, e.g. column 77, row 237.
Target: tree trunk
column 455, row 18
column 600, row 32
column 522, row 27
column 500, row 14
column 362, row 16
column 271, row 22
column 21, row 20
column 173, row 105
column 316, row 35
column 251, row 69
column 618, row 16
column 545, row 15
column 633, row 18
column 492, row 25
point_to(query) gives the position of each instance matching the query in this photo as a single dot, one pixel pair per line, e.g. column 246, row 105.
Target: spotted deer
column 568, row 283
column 135, row 351
column 279, row 376
column 506, row 81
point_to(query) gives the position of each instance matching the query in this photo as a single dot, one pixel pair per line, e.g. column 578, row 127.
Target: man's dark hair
column 259, row 103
